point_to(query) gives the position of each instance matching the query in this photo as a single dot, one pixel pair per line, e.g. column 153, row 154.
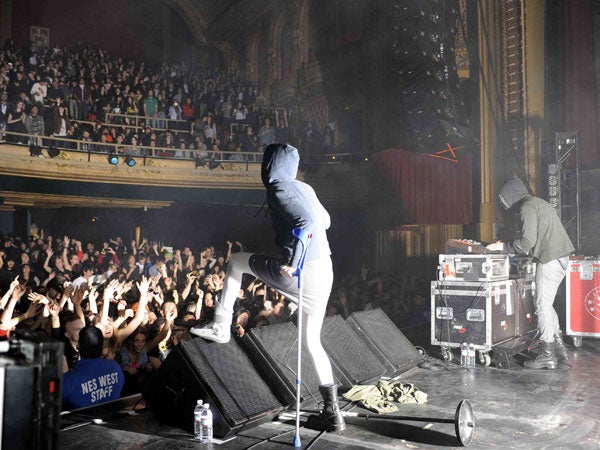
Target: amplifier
column 474, row 267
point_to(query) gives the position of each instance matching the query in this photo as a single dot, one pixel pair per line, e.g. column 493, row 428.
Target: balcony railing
column 337, row 177
column 151, row 155
column 139, row 122
column 163, row 123
column 52, row 144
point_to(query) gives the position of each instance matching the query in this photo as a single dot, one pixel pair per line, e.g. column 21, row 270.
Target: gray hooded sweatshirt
column 542, row 234
column 293, row 204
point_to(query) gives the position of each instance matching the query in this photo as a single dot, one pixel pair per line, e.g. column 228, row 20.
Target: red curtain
column 316, row 111
column 578, row 85
column 432, row 190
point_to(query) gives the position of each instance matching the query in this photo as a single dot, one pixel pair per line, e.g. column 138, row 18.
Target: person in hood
column 292, row 204
column 542, row 236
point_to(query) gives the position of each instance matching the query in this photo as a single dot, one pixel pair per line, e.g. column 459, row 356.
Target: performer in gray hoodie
column 292, row 204
column 542, row 236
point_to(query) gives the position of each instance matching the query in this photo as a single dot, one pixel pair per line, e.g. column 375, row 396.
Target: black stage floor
column 513, row 408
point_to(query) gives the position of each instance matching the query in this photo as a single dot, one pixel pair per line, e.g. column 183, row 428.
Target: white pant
column 547, row 281
column 316, row 276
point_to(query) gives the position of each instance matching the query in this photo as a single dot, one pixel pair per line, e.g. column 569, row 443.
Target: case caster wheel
column 577, row 341
column 447, row 354
column 485, row 359
column 502, row 359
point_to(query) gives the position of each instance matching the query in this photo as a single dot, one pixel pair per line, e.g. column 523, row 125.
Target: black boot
column 560, row 350
column 331, row 418
column 545, row 360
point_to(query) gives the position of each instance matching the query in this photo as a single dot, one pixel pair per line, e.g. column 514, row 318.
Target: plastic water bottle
column 206, row 425
column 464, row 349
column 471, row 355
column 198, row 410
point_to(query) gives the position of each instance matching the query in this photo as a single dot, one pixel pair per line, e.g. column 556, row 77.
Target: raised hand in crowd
column 67, row 291
column 7, row 295
column 144, row 287
column 49, row 253
column 190, row 278
column 77, row 298
column 51, row 276
column 92, row 300
column 153, row 281
column 54, row 309
column 35, row 297
column 217, row 281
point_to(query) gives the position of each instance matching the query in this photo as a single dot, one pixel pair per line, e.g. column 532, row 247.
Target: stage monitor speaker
column 275, row 350
column 220, row 374
column 385, row 340
column 352, row 360
column 18, row 410
column 30, row 392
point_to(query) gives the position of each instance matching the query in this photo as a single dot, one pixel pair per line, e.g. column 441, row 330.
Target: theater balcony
column 45, row 176
column 110, row 176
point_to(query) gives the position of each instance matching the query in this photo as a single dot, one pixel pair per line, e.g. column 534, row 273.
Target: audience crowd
column 130, row 303
column 67, row 93
column 144, row 298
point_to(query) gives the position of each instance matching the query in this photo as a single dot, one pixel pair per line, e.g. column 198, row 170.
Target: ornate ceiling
column 221, row 20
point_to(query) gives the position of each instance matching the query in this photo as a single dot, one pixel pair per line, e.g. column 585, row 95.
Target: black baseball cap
column 90, row 342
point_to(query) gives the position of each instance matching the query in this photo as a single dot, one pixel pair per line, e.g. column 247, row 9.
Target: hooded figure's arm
column 529, row 226
column 291, row 208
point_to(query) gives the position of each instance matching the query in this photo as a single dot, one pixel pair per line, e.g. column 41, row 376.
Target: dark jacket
column 541, row 231
column 293, row 204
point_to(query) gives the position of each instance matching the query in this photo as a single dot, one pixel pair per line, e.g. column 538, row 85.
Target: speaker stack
column 385, row 340
column 251, row 380
column 222, row 375
column 274, row 349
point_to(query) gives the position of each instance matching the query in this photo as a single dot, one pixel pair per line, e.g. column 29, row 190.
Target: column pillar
column 491, row 116
column 534, row 71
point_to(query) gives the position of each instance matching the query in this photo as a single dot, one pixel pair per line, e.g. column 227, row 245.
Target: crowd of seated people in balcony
column 86, row 94
column 145, row 297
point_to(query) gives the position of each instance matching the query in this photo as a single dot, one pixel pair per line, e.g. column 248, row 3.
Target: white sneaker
column 214, row 331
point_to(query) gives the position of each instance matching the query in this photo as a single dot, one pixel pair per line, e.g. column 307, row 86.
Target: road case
column 583, row 299
column 525, row 318
column 498, row 318
column 482, row 314
column 521, row 267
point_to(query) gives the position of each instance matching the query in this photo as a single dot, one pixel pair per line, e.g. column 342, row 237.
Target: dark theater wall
column 124, row 28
